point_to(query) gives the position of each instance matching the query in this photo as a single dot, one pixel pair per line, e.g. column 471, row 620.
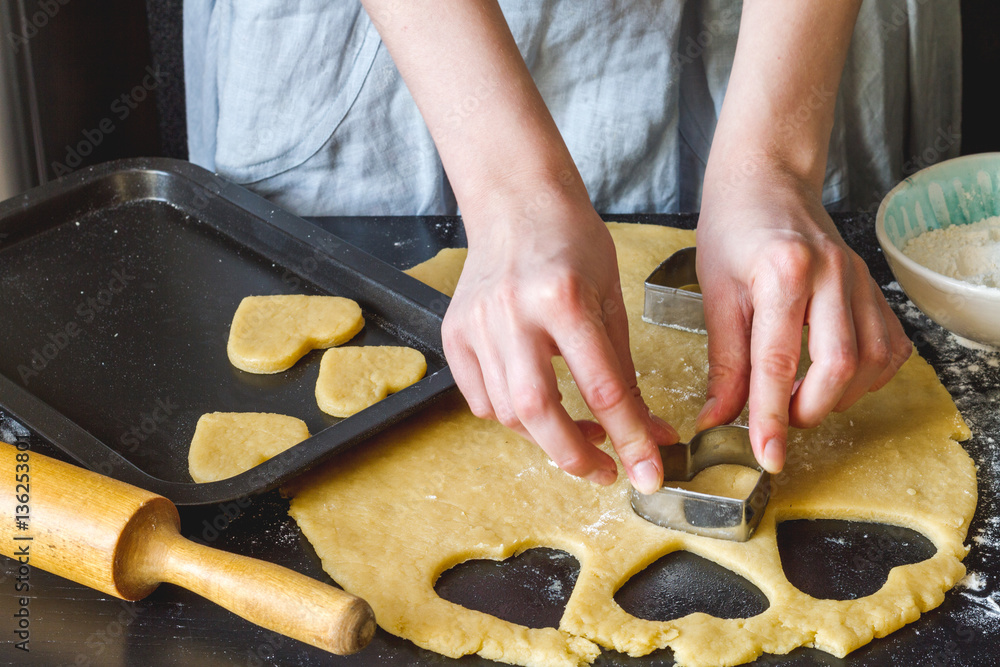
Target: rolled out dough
column 444, row 487
column 270, row 333
column 353, row 378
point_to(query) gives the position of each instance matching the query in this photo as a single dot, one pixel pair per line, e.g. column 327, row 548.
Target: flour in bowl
column 966, row 252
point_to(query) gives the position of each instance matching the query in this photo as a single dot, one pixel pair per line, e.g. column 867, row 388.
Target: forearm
column 490, row 124
column 779, row 106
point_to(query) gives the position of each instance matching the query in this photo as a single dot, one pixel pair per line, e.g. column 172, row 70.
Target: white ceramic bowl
column 955, row 192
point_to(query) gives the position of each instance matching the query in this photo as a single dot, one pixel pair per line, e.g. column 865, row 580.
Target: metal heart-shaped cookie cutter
column 703, row 513
column 668, row 302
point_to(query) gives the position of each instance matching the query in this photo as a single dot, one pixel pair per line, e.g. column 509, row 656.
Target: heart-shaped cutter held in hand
column 670, row 296
column 704, row 513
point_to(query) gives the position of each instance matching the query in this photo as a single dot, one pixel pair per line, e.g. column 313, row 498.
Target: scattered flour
column 965, row 252
column 971, row 374
column 603, row 522
column 973, row 581
column 11, row 431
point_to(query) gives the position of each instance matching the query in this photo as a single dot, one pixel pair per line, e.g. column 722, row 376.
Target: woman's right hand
column 545, row 285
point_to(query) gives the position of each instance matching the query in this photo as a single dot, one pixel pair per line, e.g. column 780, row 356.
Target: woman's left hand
column 770, row 262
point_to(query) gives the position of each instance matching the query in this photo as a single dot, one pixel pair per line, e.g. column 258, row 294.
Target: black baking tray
column 117, row 288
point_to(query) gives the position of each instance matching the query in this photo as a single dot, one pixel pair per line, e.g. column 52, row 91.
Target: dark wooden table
column 72, row 625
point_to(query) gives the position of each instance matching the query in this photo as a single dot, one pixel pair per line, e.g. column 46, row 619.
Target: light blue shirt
column 300, row 101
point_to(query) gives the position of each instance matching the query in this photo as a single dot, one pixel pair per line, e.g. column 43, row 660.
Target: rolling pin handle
column 270, row 595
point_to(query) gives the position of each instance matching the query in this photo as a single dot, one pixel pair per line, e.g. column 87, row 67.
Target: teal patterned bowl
column 955, row 192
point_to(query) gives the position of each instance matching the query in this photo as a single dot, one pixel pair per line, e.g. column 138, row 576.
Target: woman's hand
column 769, row 258
column 769, row 262
column 535, row 287
column 541, row 278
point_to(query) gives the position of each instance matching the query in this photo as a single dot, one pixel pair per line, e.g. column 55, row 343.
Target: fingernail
column 773, row 456
column 602, row 476
column 646, row 477
column 705, row 412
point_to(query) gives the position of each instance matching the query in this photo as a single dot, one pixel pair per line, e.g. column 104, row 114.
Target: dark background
column 89, row 53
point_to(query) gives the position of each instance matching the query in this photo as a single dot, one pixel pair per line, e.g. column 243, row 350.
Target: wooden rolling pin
column 124, row 541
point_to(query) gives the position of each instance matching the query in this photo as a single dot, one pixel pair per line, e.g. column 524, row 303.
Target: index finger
column 614, row 400
column 775, row 349
column 534, row 395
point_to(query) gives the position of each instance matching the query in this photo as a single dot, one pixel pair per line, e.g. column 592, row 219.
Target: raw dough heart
column 441, row 274
column 353, row 378
column 228, row 443
column 474, row 489
column 270, row 333
column 725, row 480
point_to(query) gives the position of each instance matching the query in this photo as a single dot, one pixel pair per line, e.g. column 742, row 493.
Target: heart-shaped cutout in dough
column 831, row 559
column 270, row 333
column 662, row 590
column 530, row 589
column 353, row 378
column 228, row 443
